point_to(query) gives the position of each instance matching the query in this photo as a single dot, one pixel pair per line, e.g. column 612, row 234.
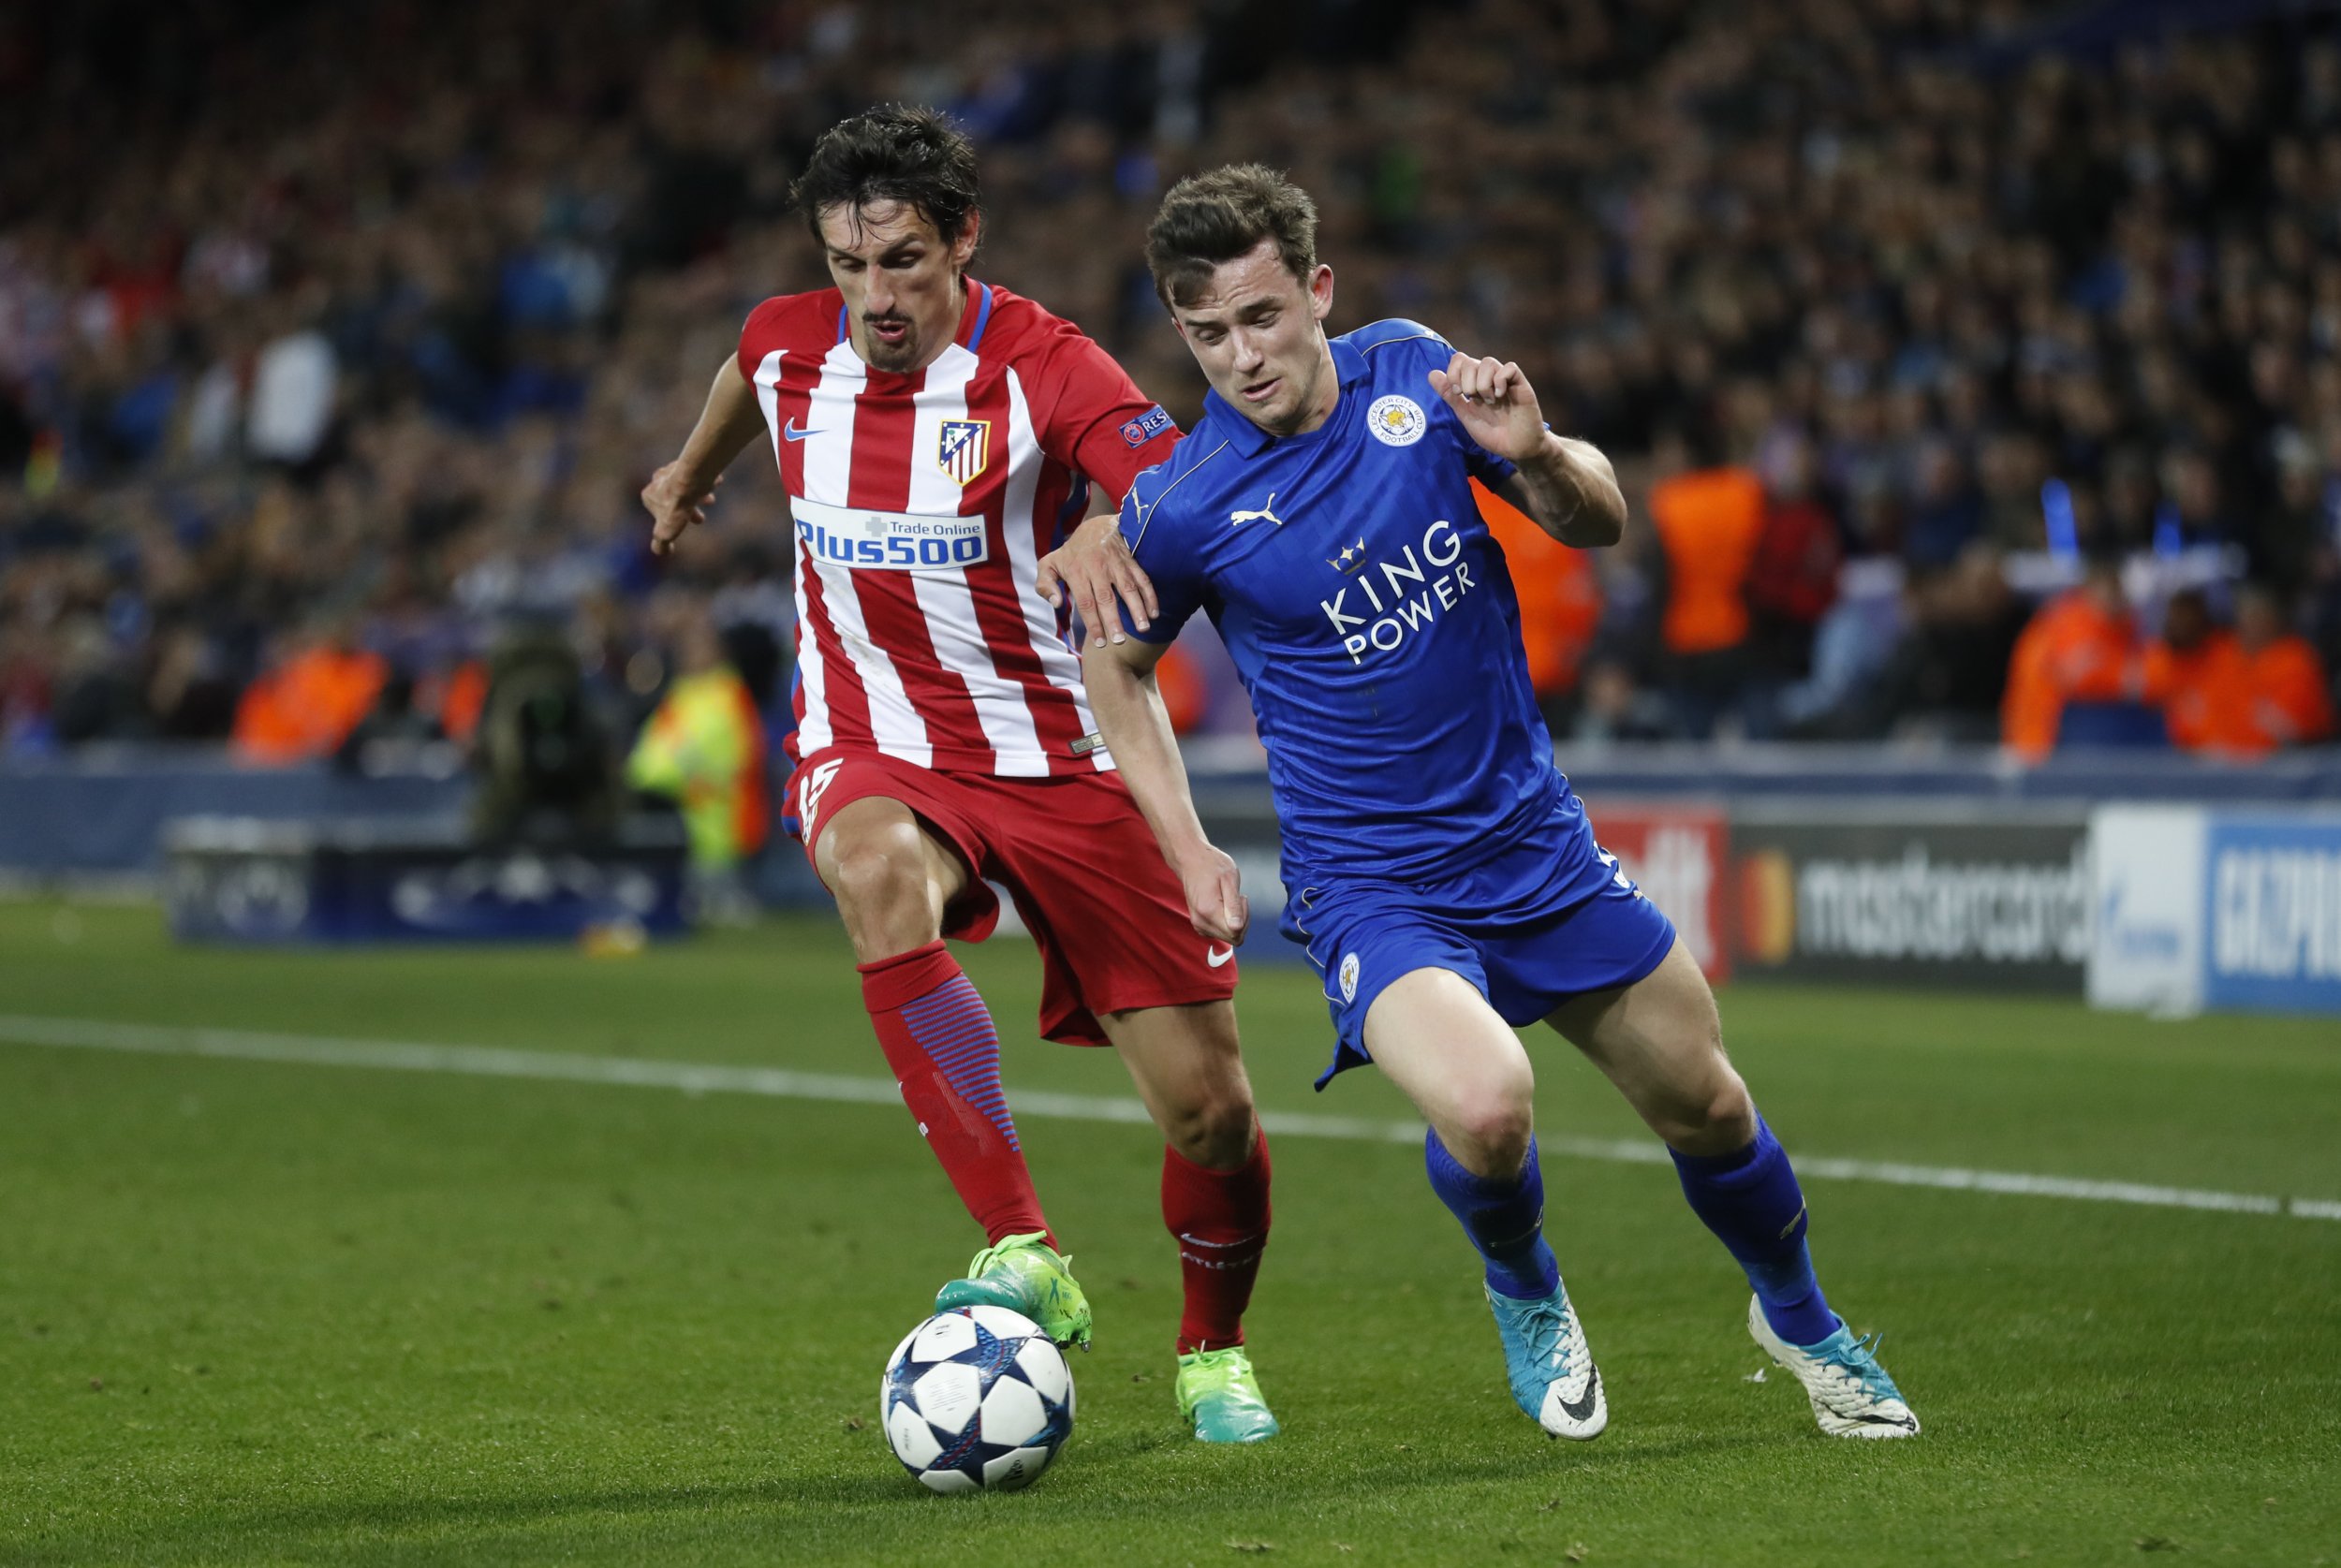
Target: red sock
column 937, row 1036
column 1220, row 1218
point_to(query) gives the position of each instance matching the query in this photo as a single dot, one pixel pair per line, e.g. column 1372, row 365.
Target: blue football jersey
column 1368, row 611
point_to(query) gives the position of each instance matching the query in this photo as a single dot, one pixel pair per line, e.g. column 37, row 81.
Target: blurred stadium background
column 1969, row 365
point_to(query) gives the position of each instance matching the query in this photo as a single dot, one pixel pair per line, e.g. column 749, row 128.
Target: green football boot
column 1219, row 1394
column 1025, row 1274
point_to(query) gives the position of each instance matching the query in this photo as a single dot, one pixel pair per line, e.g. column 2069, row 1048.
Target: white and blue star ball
column 976, row 1399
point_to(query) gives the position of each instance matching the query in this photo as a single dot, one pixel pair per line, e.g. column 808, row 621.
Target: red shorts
column 1078, row 858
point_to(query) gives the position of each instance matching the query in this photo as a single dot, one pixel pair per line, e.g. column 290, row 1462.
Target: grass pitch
column 274, row 1313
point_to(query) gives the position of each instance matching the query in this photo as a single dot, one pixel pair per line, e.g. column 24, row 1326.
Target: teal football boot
column 1851, row 1393
column 1218, row 1392
column 1553, row 1375
column 1025, row 1274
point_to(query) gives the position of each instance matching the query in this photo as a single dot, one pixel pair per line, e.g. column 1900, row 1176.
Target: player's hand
column 1215, row 904
column 1495, row 402
column 674, row 508
column 1095, row 568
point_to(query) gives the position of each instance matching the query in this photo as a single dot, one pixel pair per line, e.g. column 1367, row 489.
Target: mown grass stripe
column 781, row 1083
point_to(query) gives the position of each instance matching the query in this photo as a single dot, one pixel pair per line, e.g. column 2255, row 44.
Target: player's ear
column 1321, row 291
column 963, row 248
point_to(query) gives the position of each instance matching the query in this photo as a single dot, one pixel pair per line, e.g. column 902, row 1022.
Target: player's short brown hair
column 1216, row 216
column 904, row 153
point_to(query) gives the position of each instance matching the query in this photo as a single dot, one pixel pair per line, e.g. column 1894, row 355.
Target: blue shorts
column 1549, row 917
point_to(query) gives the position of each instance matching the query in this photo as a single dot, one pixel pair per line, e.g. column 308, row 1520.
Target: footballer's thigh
column 1434, row 1037
column 1189, row 1071
column 893, row 878
column 1660, row 1041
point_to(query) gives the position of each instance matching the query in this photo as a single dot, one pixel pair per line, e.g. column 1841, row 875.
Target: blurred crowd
column 336, row 340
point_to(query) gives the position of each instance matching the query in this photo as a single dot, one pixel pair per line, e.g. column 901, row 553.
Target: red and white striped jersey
column 922, row 504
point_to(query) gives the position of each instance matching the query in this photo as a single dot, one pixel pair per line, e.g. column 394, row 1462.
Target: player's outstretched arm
column 1566, row 485
column 1095, row 568
column 679, row 494
column 1137, row 729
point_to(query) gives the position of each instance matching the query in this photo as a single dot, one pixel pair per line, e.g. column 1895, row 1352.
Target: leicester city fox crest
column 963, row 448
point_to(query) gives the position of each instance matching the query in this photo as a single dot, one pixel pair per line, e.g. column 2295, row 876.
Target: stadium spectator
column 1709, row 523
column 705, row 749
column 2287, row 701
column 2241, row 692
column 451, row 269
column 307, row 705
column 2194, row 671
column 2081, row 646
column 1560, row 602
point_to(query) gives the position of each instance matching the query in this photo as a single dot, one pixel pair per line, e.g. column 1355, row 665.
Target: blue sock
column 1751, row 1201
column 1505, row 1219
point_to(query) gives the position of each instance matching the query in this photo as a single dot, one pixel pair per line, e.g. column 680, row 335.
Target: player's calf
column 1750, row 1199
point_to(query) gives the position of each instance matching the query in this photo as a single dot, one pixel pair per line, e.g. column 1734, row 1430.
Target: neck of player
column 1327, row 396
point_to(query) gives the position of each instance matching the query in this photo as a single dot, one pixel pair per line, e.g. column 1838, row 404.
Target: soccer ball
column 976, row 1398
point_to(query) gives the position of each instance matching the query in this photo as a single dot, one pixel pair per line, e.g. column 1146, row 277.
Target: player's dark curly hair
column 902, row 152
column 1216, row 216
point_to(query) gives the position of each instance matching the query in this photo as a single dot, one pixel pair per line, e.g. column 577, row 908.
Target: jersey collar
column 1250, row 440
column 975, row 317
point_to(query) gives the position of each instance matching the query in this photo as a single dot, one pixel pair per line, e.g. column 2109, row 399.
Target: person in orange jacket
column 1560, row 599
column 2194, row 673
column 307, row 707
column 2287, row 700
column 2080, row 646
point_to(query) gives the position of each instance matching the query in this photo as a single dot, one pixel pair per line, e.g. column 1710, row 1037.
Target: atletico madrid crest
column 965, row 446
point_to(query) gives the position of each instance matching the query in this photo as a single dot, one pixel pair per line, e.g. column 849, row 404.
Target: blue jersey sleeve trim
column 1420, row 337
column 1381, row 334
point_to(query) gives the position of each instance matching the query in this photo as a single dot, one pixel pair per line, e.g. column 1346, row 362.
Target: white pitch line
column 779, row 1083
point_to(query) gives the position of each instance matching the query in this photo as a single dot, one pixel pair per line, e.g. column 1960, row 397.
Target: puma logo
column 1268, row 511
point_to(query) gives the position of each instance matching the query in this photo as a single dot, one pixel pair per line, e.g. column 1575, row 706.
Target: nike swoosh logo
column 1582, row 1408
column 795, row 432
column 1218, row 960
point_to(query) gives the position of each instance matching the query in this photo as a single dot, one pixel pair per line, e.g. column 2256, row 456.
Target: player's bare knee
column 1493, row 1129
column 1716, row 1117
column 1216, row 1133
column 882, row 895
column 1731, row 1114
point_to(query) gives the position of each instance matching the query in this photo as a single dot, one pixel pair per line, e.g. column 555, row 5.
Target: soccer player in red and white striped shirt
column 937, row 436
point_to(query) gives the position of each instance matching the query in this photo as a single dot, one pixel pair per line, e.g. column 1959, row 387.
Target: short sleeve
column 1156, row 540
column 1486, row 466
column 759, row 336
column 1100, row 423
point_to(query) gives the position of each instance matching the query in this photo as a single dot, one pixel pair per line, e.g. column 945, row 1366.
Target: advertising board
column 1914, row 897
column 2272, row 916
column 2202, row 908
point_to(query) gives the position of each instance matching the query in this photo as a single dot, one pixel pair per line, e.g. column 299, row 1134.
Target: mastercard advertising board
column 1912, row 896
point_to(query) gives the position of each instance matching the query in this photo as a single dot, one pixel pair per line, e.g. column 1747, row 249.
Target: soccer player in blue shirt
column 1439, row 868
